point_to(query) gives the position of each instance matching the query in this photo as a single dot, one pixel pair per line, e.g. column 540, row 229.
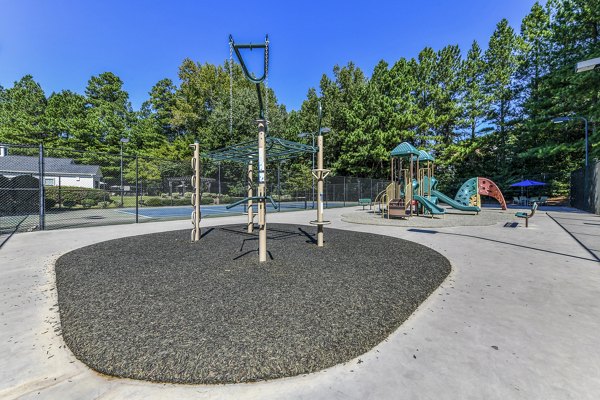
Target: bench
column 364, row 202
column 527, row 216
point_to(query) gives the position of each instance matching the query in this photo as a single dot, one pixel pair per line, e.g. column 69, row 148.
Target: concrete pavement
column 518, row 318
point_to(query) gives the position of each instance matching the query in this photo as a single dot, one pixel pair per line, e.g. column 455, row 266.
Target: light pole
column 559, row 120
column 123, row 141
column 320, row 131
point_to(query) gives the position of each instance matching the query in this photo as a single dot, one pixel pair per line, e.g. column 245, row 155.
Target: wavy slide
column 453, row 203
column 429, row 206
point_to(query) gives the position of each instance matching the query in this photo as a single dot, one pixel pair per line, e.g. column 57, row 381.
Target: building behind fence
column 585, row 188
column 52, row 188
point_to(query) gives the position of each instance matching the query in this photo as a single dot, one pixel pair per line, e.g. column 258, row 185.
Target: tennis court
column 219, row 210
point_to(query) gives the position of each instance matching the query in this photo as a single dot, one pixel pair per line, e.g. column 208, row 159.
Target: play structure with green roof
column 413, row 187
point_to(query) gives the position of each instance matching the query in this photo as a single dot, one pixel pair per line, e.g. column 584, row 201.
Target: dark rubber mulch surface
column 159, row 308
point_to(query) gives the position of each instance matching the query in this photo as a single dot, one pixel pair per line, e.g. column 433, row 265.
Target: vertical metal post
column 410, row 178
column 219, row 182
column 344, row 191
column 262, row 199
column 42, row 196
column 196, row 183
column 320, row 174
column 278, row 187
column 137, row 192
column 313, row 166
column 59, row 193
column 122, row 175
column 586, row 141
column 419, row 189
column 586, row 190
column 249, row 209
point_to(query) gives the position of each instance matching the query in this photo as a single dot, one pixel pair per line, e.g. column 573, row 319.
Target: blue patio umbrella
column 526, row 184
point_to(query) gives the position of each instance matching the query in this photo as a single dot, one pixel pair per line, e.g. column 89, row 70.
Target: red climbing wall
column 486, row 187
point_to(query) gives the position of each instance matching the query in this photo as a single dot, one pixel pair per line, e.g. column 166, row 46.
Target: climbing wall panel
column 487, row 187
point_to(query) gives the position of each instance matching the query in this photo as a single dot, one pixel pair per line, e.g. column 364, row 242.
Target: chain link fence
column 53, row 188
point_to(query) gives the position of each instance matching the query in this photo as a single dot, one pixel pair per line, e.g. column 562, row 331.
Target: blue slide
column 429, row 206
column 453, row 203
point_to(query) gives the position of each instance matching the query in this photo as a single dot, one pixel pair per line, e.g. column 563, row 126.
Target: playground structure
column 405, row 195
column 249, row 152
column 413, row 190
column 471, row 191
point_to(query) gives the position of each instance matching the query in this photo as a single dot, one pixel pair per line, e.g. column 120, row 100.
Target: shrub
column 187, row 195
column 154, row 202
column 175, row 195
column 88, row 203
column 49, row 203
column 225, row 199
column 69, row 203
column 206, row 200
column 68, row 194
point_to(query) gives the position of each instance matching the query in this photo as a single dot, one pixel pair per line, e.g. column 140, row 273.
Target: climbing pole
column 196, row 183
column 262, row 133
column 249, row 209
column 320, row 174
column 262, row 192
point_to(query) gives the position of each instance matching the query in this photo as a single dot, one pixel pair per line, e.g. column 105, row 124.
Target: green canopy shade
column 425, row 156
column 277, row 150
column 404, row 149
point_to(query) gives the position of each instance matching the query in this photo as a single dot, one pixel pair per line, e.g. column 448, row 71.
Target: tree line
column 480, row 112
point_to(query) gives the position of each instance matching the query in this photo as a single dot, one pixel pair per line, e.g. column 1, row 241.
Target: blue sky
column 62, row 43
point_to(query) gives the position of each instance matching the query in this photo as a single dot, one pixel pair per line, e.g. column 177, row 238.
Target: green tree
column 159, row 108
column 108, row 111
column 474, row 100
column 22, row 110
column 66, row 118
column 501, row 65
column 449, row 82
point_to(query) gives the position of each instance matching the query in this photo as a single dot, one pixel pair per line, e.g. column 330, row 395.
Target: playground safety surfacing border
column 157, row 307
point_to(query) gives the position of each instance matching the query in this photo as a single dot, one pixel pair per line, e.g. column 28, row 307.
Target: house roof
column 30, row 165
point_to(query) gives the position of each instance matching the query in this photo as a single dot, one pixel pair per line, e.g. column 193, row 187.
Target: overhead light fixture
column 587, row 65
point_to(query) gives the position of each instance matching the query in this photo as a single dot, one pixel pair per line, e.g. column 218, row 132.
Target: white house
column 57, row 171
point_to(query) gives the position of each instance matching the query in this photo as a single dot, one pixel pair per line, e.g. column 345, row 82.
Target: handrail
column 379, row 195
column 246, row 199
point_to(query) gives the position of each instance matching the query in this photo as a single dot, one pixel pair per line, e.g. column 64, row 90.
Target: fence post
column 326, row 194
column 42, row 195
column 279, row 186
column 59, row 193
column 344, row 191
column 137, row 192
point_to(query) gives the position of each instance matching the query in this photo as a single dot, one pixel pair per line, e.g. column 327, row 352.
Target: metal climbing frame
column 196, row 183
column 249, row 152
